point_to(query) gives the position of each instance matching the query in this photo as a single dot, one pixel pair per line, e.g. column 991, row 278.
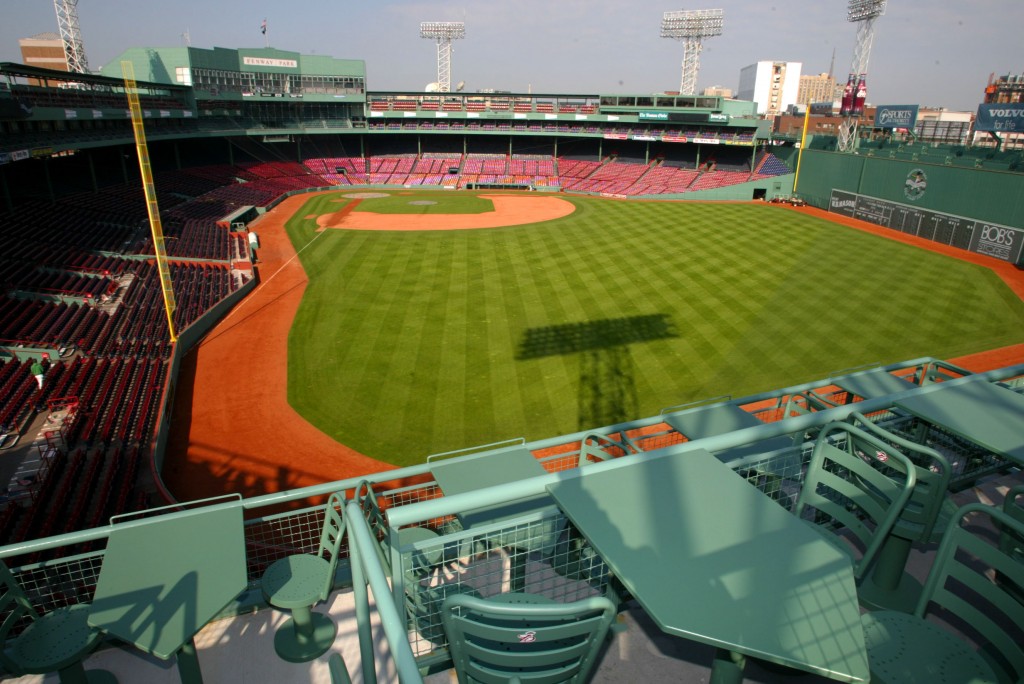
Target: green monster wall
column 996, row 196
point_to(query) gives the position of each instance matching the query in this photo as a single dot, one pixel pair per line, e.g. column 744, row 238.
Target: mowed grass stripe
column 429, row 324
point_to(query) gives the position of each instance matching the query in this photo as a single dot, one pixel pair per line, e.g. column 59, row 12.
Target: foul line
column 283, row 266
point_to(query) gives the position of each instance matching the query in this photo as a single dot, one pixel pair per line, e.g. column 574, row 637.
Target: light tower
column 71, row 34
column 444, row 32
column 863, row 13
column 691, row 26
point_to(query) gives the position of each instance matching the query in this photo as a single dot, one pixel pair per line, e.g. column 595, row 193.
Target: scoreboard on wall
column 990, row 239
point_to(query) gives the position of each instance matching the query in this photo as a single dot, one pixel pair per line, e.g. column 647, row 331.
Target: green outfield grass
column 412, row 343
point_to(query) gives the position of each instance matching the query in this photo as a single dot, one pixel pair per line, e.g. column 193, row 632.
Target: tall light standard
column 691, row 26
column 444, row 32
column 71, row 35
column 863, row 13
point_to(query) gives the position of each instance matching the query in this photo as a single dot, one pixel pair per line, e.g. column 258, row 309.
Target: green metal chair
column 339, row 672
column 924, row 520
column 959, row 592
column 519, row 638
column 54, row 642
column 300, row 581
column 593, row 447
column 422, row 561
column 857, row 485
column 1013, row 506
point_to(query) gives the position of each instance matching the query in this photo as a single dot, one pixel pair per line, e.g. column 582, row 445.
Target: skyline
column 934, row 54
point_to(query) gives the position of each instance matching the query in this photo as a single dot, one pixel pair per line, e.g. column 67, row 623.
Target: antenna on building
column 832, row 64
column 71, row 34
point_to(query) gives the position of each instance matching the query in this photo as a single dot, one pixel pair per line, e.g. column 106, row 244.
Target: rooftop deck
column 764, row 438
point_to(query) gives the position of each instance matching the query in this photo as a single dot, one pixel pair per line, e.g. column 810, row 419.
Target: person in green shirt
column 37, row 370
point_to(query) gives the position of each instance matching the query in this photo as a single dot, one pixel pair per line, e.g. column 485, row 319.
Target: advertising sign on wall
column 1000, row 117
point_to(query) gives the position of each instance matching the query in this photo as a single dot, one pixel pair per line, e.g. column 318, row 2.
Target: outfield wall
column 993, row 196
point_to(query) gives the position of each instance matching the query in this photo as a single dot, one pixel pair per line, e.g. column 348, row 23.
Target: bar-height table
column 711, row 558
column 981, row 412
column 479, row 471
column 163, row 579
column 718, row 419
column 873, row 384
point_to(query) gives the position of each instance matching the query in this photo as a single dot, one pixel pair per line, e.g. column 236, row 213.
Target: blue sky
column 936, row 53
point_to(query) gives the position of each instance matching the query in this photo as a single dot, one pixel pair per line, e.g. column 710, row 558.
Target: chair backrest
column 375, row 520
column 594, row 448
column 493, row 641
column 15, row 608
column 1013, row 506
column 960, row 584
column 858, row 482
column 330, row 539
column 933, row 474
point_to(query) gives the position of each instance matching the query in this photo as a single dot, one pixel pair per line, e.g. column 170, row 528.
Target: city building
column 820, row 88
column 772, row 85
column 44, row 50
column 718, row 91
column 1004, row 89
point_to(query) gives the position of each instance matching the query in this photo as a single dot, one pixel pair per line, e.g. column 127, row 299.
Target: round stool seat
column 295, row 581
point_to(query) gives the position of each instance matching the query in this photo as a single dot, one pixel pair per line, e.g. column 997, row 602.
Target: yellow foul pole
column 803, row 141
column 128, row 71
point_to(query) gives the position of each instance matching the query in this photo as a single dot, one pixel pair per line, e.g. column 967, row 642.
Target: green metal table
column 479, row 471
column 981, row 412
column 711, row 558
column 163, row 580
column 708, row 421
column 873, row 384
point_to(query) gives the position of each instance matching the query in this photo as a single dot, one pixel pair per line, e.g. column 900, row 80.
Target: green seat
column 54, row 642
column 924, row 520
column 960, row 602
column 856, row 486
column 505, row 640
column 298, row 582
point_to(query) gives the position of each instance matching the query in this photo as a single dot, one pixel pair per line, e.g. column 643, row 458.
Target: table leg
column 304, row 636
column 77, row 674
column 517, row 571
column 888, row 586
column 188, row 664
column 727, row 667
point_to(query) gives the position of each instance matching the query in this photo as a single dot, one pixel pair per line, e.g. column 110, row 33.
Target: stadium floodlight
column 859, row 10
column 691, row 27
column 71, row 35
column 863, row 13
column 444, row 32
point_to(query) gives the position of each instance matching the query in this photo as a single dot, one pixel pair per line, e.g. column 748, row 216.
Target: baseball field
column 415, row 338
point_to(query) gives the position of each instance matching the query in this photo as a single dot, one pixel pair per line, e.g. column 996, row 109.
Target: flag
column 263, row 27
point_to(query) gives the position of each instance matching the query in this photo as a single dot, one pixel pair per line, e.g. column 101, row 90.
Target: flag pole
column 266, row 36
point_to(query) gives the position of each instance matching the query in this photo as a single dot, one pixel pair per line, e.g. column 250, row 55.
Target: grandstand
column 81, row 291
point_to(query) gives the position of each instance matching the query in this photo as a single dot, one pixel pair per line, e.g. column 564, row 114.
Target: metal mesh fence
column 539, row 553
